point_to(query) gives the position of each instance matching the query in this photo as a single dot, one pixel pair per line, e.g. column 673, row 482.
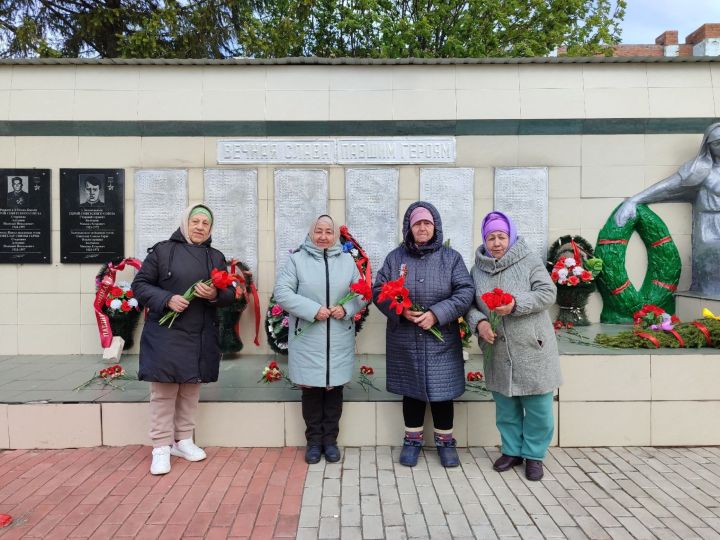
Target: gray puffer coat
column 525, row 357
column 418, row 364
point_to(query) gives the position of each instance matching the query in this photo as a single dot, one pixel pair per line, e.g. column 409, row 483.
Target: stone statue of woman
column 697, row 181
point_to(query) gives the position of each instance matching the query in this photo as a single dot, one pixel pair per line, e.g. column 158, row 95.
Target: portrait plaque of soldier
column 92, row 215
column 25, row 216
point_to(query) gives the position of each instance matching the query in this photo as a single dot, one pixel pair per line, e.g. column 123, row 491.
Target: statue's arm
column 671, row 188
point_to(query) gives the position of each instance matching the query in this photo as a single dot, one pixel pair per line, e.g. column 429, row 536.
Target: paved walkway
column 268, row 493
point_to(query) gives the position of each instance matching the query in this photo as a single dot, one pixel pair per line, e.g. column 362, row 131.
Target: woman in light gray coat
column 321, row 344
column 524, row 369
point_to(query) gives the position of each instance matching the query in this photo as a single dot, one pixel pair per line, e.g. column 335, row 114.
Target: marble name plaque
column 232, row 194
column 452, row 193
column 342, row 150
column 92, row 215
column 300, row 197
column 25, row 216
column 160, row 199
column 371, row 197
column 522, row 193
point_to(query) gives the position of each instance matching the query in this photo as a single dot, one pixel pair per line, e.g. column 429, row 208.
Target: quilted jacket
column 525, row 357
column 418, row 364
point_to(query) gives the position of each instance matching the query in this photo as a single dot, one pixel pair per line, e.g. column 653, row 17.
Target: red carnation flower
column 586, row 276
column 125, row 306
column 117, row 292
column 129, row 294
column 573, row 280
column 273, row 365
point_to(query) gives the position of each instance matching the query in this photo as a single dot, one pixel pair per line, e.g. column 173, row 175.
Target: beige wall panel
column 614, row 76
column 484, row 179
column 656, row 173
column 685, row 377
column 670, row 102
column 565, row 182
column 487, row 151
column 6, row 73
column 9, row 278
column 684, row 245
column 613, row 150
column 4, row 104
column 217, row 78
column 715, row 75
column 551, row 76
column 357, row 424
column 488, row 77
column 101, row 78
column 423, row 77
column 9, row 339
column 617, row 103
column 90, row 340
column 431, row 104
column 688, row 308
column 114, row 152
column 297, row 105
column 595, row 303
column 677, row 216
column 56, row 152
column 336, row 183
column 290, row 78
column 43, row 77
column 361, row 105
column 716, row 93
column 337, row 210
column 294, row 424
column 564, row 213
column 124, row 424
column 264, row 176
column 594, row 377
column 409, row 183
column 389, row 422
column 4, row 433
column 171, row 152
column 372, row 339
column 55, row 425
column 481, row 424
column 171, row 78
column 595, row 212
column 56, row 308
column 38, row 338
column 544, row 151
column 41, row 104
column 625, row 423
column 9, row 311
column 552, row 103
column 239, row 104
column 49, row 278
column 240, row 424
column 196, row 186
column 672, row 149
column 612, row 181
column 359, row 78
column 7, row 151
column 678, row 75
column 685, row 423
column 105, row 105
column 169, row 105
column 488, row 103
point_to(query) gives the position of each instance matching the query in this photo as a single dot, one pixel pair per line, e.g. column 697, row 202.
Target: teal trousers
column 525, row 423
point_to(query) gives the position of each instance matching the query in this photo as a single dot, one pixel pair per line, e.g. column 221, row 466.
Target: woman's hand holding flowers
column 505, row 309
column 322, row 314
column 485, row 331
column 426, row 320
column 178, row 303
column 337, row 312
column 208, row 292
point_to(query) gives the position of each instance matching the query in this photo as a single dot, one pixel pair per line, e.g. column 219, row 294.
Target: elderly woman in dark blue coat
column 176, row 360
column 420, row 367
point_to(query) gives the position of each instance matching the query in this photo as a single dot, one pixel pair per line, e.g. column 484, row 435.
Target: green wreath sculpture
column 620, row 297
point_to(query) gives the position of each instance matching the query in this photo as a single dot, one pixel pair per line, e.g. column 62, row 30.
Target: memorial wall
column 98, row 161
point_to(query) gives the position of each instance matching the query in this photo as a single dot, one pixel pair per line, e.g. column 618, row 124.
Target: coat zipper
column 327, row 303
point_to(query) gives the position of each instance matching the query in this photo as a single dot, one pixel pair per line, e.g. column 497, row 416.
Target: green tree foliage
column 278, row 28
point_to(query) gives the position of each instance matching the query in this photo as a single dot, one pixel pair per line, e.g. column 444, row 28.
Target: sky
column 647, row 19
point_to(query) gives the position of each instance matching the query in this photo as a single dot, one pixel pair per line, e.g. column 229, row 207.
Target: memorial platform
column 610, row 397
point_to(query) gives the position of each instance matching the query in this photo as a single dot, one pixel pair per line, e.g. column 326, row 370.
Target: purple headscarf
column 497, row 221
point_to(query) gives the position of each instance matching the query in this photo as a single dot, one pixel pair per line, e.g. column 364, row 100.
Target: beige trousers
column 172, row 412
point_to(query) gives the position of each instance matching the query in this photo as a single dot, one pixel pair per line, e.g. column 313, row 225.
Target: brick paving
column 598, row 493
column 103, row 493
column 603, row 493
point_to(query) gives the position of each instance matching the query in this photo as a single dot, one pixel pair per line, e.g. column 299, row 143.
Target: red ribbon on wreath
column 256, row 301
column 363, row 259
column 108, row 281
column 700, row 326
column 652, row 339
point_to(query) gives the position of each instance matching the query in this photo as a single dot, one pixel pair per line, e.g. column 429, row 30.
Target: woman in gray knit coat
column 524, row 369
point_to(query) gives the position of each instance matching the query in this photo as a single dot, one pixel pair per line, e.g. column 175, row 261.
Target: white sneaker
column 160, row 460
column 187, row 449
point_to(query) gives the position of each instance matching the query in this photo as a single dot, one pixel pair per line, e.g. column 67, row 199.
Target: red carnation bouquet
column 399, row 297
column 220, row 278
column 272, row 373
column 107, row 376
column 652, row 317
column 360, row 288
column 367, row 374
column 493, row 300
column 475, row 382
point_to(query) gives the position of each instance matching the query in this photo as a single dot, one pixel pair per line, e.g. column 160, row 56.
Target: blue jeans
column 525, row 423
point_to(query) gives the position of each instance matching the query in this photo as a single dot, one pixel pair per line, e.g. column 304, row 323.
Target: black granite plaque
column 92, row 215
column 25, row 216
